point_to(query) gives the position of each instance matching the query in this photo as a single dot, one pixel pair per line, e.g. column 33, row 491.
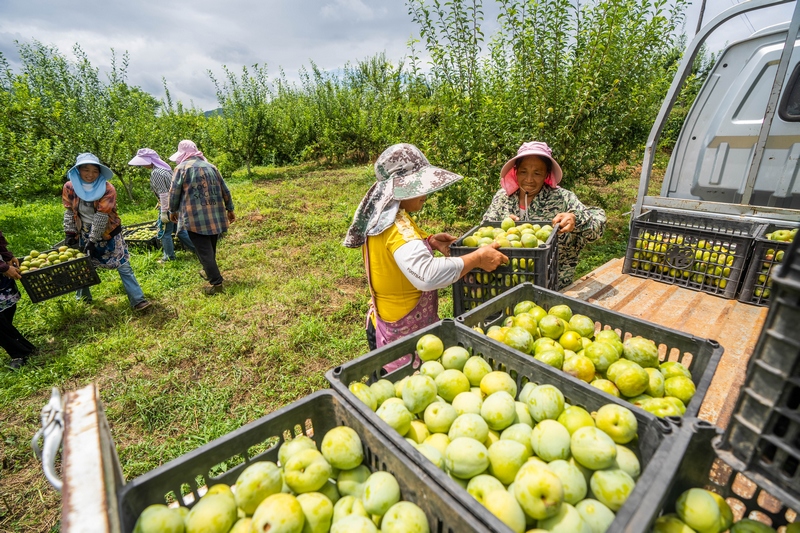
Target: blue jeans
column 169, row 246
column 129, row 283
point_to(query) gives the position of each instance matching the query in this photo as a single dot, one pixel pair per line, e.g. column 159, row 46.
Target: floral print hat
column 402, row 172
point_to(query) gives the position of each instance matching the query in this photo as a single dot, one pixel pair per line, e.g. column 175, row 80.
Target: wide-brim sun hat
column 402, row 172
column 148, row 156
column 87, row 158
column 539, row 149
column 410, row 172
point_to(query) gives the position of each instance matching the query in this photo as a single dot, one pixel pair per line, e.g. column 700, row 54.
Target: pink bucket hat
column 531, row 148
column 186, row 149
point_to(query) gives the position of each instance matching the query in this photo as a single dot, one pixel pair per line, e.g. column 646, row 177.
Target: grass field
column 193, row 368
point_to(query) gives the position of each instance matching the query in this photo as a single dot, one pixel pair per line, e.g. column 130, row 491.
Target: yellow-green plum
column 467, row 402
column 612, row 487
column 523, row 414
column 363, row 392
column 680, row 387
column 451, row 383
column 429, row 347
column 574, row 417
column 405, row 517
column 431, row 369
column 351, row 482
column 418, row 431
column 255, row 483
column 291, row 447
column 354, row 524
column 670, row 523
column 566, row 520
column 469, row 425
column 455, row 357
column 381, row 491
column 439, row 416
column 418, row 392
column 383, row 389
column 481, row 485
column 159, row 518
column 279, row 513
column 572, row 480
column 506, row 507
column 538, row 491
column 396, row 415
column 627, row 461
column 215, row 512
column 243, row 525
column 596, row 515
column 496, row 381
column 617, row 422
column 550, row 441
column 655, row 385
column 432, row 454
column 506, row 457
column 466, row 457
column 440, row 441
column 699, row 510
column 318, row 512
column 520, row 433
column 306, row 471
column 592, row 448
column 330, row 491
column 545, row 402
column 346, row 506
column 748, row 525
column 499, row 410
column 475, row 368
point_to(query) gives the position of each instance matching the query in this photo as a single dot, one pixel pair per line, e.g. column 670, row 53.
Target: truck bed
column 735, row 325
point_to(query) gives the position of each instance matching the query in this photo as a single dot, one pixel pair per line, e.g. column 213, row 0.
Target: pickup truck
column 736, row 159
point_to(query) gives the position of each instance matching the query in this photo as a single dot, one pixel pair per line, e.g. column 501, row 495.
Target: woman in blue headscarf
column 91, row 222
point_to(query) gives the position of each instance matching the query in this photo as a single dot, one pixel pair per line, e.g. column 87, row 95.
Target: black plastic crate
column 700, row 356
column 312, row 416
column 764, row 263
column 789, row 272
column 697, row 252
column 144, row 234
column 48, row 282
column 534, row 265
column 654, row 433
column 763, row 436
column 695, row 462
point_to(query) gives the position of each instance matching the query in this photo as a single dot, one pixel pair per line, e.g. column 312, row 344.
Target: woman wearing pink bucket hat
column 529, row 191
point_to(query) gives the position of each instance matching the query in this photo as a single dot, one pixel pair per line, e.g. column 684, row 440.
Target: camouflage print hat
column 402, row 172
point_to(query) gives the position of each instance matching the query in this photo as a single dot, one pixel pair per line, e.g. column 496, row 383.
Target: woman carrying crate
column 91, row 221
column 529, row 191
column 402, row 271
column 12, row 341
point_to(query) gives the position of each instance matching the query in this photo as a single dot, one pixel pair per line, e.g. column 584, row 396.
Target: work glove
column 71, row 240
column 89, row 247
column 164, row 217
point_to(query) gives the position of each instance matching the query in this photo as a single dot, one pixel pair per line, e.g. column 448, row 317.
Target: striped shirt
column 160, row 181
column 199, row 192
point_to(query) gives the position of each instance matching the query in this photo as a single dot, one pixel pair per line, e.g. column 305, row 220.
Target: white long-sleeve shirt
column 425, row 271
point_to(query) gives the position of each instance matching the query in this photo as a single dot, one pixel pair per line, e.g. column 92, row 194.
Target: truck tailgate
column 735, row 325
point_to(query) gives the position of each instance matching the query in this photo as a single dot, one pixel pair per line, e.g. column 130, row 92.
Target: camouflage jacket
column 589, row 222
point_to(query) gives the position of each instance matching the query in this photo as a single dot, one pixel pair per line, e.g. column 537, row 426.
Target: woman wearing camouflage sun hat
column 402, row 271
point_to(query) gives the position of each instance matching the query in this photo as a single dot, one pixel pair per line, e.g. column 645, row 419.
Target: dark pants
column 206, row 249
column 372, row 340
column 11, row 339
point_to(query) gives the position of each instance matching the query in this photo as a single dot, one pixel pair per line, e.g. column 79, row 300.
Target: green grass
column 193, row 368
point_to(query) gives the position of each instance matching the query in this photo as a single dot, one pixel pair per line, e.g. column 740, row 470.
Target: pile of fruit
column 531, row 459
column 629, row 370
column 763, row 283
column 313, row 490
column 509, row 235
column 702, row 510
column 140, row 234
column 704, row 262
column 36, row 260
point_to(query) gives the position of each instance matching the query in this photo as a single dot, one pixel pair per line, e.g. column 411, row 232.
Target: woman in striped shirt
column 160, row 180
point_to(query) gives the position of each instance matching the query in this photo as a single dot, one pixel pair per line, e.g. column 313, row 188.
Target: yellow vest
column 394, row 295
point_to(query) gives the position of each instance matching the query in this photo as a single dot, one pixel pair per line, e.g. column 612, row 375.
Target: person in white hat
column 529, row 191
column 91, row 222
column 160, row 180
column 402, row 271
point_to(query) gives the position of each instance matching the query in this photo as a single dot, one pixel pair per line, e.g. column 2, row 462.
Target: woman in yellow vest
column 402, row 270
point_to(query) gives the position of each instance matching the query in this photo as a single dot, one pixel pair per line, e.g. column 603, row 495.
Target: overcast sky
column 181, row 41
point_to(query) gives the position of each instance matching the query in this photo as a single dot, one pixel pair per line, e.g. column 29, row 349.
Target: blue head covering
column 89, row 192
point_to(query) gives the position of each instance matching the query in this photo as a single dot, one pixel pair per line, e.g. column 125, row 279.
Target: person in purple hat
column 160, row 180
column 529, row 191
